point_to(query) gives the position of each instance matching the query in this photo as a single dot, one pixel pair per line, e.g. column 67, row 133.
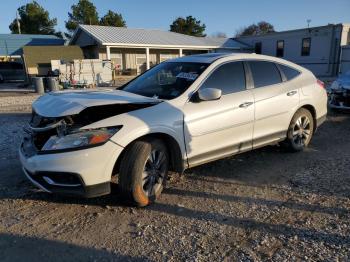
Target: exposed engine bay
column 58, row 118
column 41, row 128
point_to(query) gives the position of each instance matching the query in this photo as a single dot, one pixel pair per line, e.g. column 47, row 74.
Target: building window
column 164, row 57
column 306, row 46
column 117, row 60
column 280, row 48
column 258, row 47
column 141, row 61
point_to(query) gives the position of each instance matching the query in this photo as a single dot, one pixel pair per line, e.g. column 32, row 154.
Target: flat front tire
column 300, row 131
column 143, row 171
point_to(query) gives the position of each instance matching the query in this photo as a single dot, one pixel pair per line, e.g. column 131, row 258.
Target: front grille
column 40, row 138
column 28, row 147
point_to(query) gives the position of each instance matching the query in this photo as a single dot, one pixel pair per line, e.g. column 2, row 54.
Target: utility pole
column 18, row 23
column 308, row 23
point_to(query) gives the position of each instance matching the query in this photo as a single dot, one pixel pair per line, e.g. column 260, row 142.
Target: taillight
column 320, row 83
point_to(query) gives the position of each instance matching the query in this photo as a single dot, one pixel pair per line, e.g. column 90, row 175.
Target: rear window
column 289, row 72
column 264, row 73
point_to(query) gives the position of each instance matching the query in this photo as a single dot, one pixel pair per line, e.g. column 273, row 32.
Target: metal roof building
column 121, row 36
column 139, row 49
column 11, row 44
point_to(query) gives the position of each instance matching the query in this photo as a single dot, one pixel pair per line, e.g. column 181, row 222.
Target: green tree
column 33, row 19
column 113, row 19
column 84, row 12
column 188, row 26
column 260, row 28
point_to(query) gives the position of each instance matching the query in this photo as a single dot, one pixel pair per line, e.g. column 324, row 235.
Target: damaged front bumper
column 85, row 173
column 61, row 154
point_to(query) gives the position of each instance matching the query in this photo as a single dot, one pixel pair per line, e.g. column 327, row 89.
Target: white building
column 318, row 48
column 136, row 50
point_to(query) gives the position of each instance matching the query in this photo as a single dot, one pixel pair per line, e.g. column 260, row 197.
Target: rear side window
column 230, row 78
column 264, row 73
column 289, row 72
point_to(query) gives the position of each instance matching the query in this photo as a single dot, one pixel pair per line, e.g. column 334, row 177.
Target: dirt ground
column 261, row 205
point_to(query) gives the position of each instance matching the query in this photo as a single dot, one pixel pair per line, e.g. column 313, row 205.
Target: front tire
column 143, row 171
column 300, row 131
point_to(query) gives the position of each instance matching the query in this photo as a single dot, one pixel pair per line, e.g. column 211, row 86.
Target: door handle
column 291, row 93
column 246, row 104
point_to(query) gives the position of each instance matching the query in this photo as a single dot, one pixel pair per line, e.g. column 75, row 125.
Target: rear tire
column 300, row 131
column 143, row 171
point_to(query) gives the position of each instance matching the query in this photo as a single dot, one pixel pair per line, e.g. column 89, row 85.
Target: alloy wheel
column 154, row 172
column 302, row 130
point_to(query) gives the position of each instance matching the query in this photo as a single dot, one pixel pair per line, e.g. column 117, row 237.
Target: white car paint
column 204, row 131
column 63, row 103
column 93, row 163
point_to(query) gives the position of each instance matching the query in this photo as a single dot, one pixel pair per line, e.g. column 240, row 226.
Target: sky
column 218, row 15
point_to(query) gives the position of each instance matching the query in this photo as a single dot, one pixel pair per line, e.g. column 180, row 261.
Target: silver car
column 179, row 114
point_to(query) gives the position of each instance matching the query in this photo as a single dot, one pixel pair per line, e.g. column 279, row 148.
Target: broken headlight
column 80, row 139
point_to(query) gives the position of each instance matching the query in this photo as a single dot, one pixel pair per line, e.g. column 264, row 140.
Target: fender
column 144, row 122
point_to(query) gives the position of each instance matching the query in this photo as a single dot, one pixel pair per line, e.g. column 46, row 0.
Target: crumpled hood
column 65, row 103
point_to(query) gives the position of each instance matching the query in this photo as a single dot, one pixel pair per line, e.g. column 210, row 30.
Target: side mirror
column 209, row 94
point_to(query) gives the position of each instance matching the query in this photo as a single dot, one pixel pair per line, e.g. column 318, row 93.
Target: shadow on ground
column 251, row 224
column 22, row 248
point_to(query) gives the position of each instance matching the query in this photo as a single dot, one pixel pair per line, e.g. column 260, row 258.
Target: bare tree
column 219, row 34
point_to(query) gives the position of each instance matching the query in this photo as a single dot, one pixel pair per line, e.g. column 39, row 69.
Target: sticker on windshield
column 189, row 76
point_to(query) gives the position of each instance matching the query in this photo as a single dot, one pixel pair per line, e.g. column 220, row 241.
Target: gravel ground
column 261, row 205
column 14, row 103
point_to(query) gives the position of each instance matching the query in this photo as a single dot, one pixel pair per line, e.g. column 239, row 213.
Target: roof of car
column 207, row 58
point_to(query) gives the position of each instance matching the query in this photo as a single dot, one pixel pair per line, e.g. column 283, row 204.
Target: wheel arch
column 176, row 160
column 313, row 112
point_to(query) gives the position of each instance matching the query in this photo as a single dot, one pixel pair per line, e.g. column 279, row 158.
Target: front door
column 214, row 129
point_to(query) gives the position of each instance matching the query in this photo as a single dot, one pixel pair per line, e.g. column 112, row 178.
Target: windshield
column 167, row 80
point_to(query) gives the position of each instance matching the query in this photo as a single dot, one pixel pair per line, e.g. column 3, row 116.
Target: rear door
column 214, row 129
column 275, row 102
